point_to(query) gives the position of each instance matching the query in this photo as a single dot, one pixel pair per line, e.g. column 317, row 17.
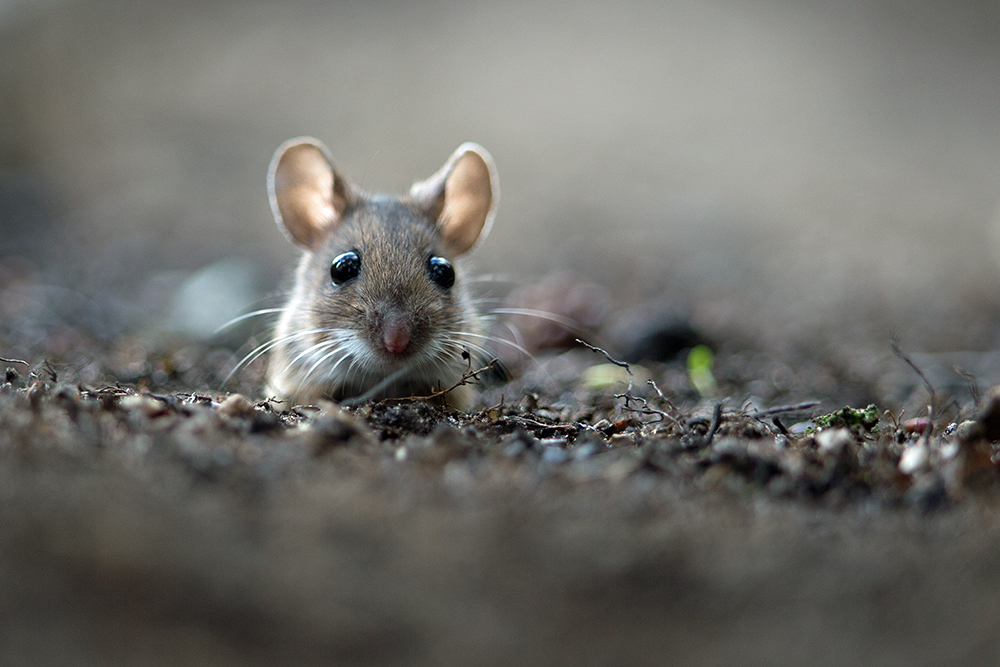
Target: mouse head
column 376, row 281
column 310, row 198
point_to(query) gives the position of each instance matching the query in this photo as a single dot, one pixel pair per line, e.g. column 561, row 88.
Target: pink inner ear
column 461, row 196
column 467, row 203
column 307, row 194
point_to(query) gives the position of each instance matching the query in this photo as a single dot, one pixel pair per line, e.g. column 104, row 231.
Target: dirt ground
column 568, row 520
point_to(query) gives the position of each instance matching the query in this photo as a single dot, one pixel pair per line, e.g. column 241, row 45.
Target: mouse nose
column 395, row 335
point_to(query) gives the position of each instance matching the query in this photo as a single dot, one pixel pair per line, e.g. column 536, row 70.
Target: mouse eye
column 345, row 267
column 441, row 272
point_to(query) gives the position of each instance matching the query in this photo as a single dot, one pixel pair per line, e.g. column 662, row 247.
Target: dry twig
column 894, row 344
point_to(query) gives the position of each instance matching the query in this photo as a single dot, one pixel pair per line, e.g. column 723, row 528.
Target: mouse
column 380, row 305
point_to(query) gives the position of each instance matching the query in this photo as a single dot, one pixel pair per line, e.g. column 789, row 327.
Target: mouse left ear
column 308, row 195
column 461, row 197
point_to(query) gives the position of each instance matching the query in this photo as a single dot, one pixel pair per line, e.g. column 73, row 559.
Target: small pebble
column 621, row 440
column 798, row 428
column 914, row 458
column 235, row 405
column 919, row 425
column 949, row 450
column 965, row 430
column 832, row 441
column 147, row 405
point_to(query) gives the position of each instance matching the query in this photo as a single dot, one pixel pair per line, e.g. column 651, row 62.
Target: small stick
column 15, row 361
column 466, row 378
column 927, row 383
column 973, row 384
column 537, row 424
column 653, row 411
column 783, row 409
column 620, row 364
column 716, row 422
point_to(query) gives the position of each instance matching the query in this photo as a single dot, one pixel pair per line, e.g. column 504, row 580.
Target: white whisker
column 335, row 347
column 495, row 278
column 266, row 347
column 459, row 345
column 569, row 324
column 516, row 333
column 519, row 348
column 317, row 348
column 256, row 313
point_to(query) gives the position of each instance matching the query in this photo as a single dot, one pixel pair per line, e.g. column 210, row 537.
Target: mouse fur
column 396, row 328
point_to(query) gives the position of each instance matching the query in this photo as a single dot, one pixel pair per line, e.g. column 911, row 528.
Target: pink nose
column 395, row 336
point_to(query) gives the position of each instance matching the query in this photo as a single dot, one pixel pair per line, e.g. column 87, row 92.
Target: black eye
column 345, row 267
column 441, row 272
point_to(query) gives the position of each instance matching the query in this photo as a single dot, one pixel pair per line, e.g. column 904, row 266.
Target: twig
column 973, row 384
column 466, row 378
column 714, row 428
column 895, row 420
column 542, row 425
column 16, row 361
column 645, row 410
column 894, row 344
column 784, row 409
column 45, row 365
column 656, row 388
column 620, row 364
column 663, row 398
column 628, row 396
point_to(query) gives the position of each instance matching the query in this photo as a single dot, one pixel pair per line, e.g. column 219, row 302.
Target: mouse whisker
column 495, row 339
column 506, row 278
column 516, row 333
column 375, row 390
column 256, row 313
column 571, row 325
column 331, row 373
column 315, row 348
column 304, row 378
column 457, row 346
column 504, row 341
column 321, row 352
column 267, row 346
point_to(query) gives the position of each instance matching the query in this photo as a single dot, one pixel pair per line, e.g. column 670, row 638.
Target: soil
column 588, row 512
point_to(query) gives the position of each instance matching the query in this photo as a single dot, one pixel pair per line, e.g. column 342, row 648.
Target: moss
column 856, row 419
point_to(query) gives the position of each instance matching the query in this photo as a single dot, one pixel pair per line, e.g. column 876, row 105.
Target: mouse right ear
column 308, row 195
column 461, row 197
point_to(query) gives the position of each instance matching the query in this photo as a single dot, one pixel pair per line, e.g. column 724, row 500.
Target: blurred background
column 813, row 168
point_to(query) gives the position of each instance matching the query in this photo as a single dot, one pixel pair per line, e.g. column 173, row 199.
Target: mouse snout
column 395, row 334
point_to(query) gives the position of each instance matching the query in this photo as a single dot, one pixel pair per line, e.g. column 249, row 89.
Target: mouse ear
column 307, row 194
column 462, row 197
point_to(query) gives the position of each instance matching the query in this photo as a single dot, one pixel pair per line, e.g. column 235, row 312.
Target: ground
column 149, row 519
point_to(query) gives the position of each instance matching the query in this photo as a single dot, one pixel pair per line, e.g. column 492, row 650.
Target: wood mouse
column 380, row 307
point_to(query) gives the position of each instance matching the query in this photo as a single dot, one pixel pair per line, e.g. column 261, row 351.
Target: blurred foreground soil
column 153, row 520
